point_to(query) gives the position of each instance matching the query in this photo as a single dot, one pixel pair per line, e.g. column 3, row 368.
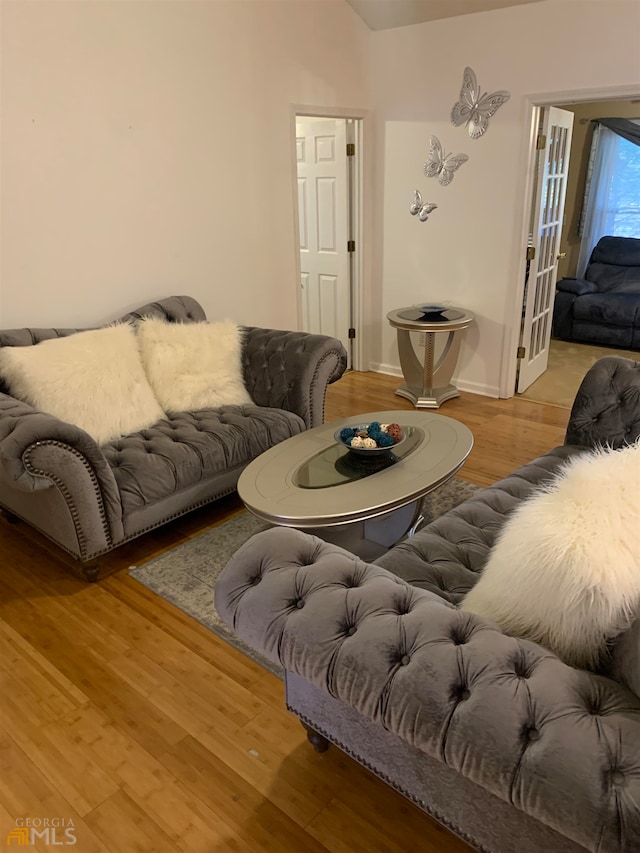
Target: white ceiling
column 385, row 14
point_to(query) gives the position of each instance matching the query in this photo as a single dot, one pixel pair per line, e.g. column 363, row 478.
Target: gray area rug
column 186, row 575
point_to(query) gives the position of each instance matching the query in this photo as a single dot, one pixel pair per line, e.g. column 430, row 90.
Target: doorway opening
column 585, row 106
column 328, row 164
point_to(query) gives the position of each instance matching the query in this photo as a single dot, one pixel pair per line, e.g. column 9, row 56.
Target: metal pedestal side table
column 428, row 385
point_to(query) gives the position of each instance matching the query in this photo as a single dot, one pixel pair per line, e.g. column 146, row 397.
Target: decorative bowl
column 431, row 313
column 370, row 452
column 432, row 309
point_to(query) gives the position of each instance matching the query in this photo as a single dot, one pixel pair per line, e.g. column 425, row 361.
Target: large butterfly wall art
column 474, row 108
column 440, row 165
column 421, row 209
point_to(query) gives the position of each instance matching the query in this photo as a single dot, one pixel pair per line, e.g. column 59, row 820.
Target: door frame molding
column 361, row 217
column 526, row 186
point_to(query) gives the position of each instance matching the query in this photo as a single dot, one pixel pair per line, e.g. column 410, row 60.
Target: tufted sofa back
column 606, row 410
column 174, row 309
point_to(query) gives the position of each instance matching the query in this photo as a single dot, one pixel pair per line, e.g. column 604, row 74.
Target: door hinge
column 351, row 149
column 521, row 352
column 352, row 333
column 541, row 142
column 531, row 252
column 351, row 245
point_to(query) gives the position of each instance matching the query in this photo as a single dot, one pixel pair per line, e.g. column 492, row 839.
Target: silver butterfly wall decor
column 474, row 108
column 420, row 208
column 440, row 165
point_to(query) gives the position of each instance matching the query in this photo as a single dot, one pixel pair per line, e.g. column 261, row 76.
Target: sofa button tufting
column 465, row 694
column 256, row 580
column 617, row 778
column 404, row 660
column 300, row 603
column 533, row 734
column 351, row 630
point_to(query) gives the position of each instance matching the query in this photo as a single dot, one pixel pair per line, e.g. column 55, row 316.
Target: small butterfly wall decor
column 440, row 165
column 474, row 108
column 422, row 209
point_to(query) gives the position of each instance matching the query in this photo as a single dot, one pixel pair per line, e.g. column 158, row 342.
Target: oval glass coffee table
column 365, row 505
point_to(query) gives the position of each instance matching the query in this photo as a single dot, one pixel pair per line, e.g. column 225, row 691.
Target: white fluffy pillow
column 193, row 365
column 565, row 571
column 92, row 379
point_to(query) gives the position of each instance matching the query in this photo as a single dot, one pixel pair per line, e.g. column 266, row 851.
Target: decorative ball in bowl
column 370, row 439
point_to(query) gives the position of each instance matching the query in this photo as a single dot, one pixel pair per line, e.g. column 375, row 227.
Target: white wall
column 147, row 150
column 469, row 252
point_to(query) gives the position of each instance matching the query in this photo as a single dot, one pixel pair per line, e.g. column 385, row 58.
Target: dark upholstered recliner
column 604, row 306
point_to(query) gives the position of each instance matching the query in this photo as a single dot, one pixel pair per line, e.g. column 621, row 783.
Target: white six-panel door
column 543, row 272
column 323, row 212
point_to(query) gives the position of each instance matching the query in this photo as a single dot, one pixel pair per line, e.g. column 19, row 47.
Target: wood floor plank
column 150, row 787
column 177, row 701
column 227, row 794
column 80, row 780
column 153, row 734
column 65, row 614
column 257, row 764
column 126, row 762
column 365, row 800
column 25, row 793
column 122, row 825
column 15, row 652
column 343, row 831
column 146, row 722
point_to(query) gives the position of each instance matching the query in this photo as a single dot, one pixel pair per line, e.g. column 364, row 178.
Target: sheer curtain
column 611, row 205
column 599, row 215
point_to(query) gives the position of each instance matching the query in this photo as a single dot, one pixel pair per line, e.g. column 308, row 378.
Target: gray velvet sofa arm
column 577, row 286
column 23, row 428
column 40, row 452
column 291, row 370
column 606, row 409
column 560, row 744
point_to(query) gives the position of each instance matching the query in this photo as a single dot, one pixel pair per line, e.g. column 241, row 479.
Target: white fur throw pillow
column 193, row 365
column 565, row 571
column 92, row 379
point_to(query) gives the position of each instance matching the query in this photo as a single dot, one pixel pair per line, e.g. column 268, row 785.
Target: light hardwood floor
column 122, row 714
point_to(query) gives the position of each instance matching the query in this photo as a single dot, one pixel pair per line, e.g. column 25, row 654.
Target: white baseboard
column 388, row 369
column 471, row 387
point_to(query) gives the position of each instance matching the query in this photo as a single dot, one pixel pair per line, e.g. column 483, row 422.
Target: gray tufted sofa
column 494, row 736
column 90, row 499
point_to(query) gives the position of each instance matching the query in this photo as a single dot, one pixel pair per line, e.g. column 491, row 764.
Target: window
column 612, row 195
column 624, row 196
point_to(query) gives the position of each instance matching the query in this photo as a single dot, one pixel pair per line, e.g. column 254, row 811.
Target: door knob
column 561, row 255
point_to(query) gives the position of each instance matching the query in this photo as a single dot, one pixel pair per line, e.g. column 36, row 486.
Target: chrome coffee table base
column 373, row 537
